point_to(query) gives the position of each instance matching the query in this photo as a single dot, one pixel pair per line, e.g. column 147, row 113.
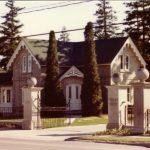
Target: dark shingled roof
column 106, row 50
column 39, row 48
column 5, row 78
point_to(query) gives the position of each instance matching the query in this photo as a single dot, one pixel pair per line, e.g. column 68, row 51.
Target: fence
column 129, row 113
column 53, row 116
column 11, row 117
column 148, row 119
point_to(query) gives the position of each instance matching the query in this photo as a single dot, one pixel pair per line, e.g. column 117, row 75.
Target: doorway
column 73, row 100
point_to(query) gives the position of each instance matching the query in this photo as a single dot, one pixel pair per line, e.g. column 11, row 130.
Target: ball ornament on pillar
column 116, row 78
column 142, row 74
column 31, row 82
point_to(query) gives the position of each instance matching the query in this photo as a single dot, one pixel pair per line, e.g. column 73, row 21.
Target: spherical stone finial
column 142, row 74
column 31, row 82
column 117, row 78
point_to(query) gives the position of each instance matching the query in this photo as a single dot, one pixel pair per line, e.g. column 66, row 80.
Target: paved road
column 52, row 134
column 54, row 139
column 16, row 144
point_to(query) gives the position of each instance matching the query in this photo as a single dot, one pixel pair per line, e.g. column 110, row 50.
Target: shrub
column 120, row 132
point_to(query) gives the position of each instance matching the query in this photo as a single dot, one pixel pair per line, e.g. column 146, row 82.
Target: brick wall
column 20, row 78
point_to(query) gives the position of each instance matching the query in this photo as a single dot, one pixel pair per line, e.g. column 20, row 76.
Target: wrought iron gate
column 11, row 117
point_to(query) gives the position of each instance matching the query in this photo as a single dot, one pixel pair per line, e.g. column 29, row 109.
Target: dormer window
column 27, row 64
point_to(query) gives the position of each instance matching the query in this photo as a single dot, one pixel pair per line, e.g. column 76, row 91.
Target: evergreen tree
column 138, row 24
column 9, row 30
column 53, row 92
column 64, row 46
column 91, row 88
column 105, row 19
column 64, row 36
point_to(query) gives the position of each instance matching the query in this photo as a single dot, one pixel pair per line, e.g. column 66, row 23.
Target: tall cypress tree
column 9, row 29
column 105, row 19
column 91, row 88
column 53, row 92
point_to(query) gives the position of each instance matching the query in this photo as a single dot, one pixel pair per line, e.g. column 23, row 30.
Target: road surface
column 54, row 139
column 16, row 144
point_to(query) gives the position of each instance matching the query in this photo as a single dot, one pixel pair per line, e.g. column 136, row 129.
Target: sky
column 72, row 17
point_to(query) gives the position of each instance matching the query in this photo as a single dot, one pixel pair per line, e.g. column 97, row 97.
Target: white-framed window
column 77, row 92
column 124, row 62
column 121, row 62
column 24, row 64
column 27, row 64
column 70, row 92
column 6, row 95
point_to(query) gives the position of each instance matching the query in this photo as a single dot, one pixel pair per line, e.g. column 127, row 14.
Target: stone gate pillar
column 31, row 105
column 141, row 105
column 117, row 102
column 141, row 100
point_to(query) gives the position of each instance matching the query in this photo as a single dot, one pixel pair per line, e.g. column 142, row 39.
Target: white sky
column 72, row 17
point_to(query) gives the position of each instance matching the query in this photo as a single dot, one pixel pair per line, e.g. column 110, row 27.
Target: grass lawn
column 59, row 122
column 52, row 122
column 90, row 121
column 118, row 139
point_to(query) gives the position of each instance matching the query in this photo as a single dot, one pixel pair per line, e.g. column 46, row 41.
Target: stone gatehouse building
column 116, row 55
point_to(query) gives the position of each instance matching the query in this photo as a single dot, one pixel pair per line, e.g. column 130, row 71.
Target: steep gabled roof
column 72, row 72
column 39, row 48
column 106, row 50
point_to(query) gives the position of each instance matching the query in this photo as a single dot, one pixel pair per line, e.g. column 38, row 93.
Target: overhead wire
column 58, row 5
column 77, row 29
column 65, row 5
column 52, row 4
column 49, row 5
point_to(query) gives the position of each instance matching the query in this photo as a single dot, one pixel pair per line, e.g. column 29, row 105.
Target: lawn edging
column 110, row 139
